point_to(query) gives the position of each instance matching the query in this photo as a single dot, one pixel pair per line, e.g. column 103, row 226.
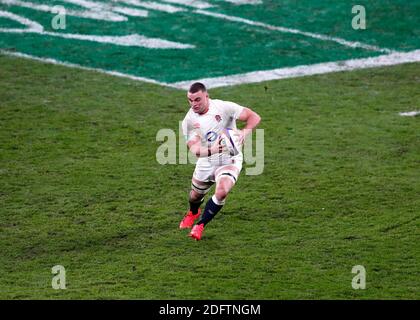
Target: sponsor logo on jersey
column 211, row 136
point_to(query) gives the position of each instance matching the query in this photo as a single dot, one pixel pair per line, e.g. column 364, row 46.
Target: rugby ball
column 230, row 139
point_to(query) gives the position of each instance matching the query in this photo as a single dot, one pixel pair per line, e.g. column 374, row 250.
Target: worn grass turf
column 80, row 186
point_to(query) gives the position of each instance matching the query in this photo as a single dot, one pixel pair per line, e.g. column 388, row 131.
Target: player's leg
column 198, row 190
column 226, row 178
column 196, row 198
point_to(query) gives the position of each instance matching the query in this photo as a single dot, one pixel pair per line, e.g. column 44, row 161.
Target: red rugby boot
column 197, row 231
column 189, row 219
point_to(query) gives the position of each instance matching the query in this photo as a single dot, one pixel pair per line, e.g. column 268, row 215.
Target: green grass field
column 80, row 186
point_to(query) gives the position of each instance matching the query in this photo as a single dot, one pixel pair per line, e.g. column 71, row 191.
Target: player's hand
column 218, row 146
column 242, row 135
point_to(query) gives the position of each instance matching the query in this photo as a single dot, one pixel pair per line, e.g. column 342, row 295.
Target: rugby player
column 202, row 127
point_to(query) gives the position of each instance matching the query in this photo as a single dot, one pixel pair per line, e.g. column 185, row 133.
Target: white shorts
column 209, row 172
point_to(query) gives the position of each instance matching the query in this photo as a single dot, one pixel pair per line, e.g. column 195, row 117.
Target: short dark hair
column 197, row 86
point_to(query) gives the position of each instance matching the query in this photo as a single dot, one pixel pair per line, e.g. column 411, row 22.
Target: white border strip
column 305, row 70
column 257, row 76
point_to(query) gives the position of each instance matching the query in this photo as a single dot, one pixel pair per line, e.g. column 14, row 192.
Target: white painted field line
column 351, row 44
column 242, row 2
column 134, row 40
column 258, row 76
column 305, row 70
column 410, row 114
column 191, row 3
column 152, row 5
column 131, row 40
column 131, row 12
column 29, row 24
column 104, row 7
column 89, row 14
column 77, row 66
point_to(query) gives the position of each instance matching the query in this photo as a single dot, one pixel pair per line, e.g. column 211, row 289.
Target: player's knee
column 220, row 195
column 195, row 196
column 222, row 191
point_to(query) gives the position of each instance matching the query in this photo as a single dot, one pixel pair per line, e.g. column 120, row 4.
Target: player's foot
column 196, row 231
column 189, row 219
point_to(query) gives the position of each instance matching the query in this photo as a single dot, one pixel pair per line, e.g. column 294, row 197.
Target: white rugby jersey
column 221, row 115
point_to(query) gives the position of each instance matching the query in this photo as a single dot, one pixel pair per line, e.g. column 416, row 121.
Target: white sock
column 219, row 203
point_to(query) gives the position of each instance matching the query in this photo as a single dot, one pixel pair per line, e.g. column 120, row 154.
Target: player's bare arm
column 252, row 120
column 201, row 151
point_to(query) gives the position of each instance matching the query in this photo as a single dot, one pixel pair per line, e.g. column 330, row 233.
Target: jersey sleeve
column 233, row 109
column 188, row 130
